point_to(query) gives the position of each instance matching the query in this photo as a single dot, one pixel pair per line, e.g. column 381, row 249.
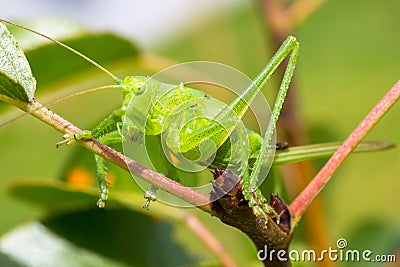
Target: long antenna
column 115, row 78
column 63, row 98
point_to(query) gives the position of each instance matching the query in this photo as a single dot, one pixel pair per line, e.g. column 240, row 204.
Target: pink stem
column 299, row 205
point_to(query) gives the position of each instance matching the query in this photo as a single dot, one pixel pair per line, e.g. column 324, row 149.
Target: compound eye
column 140, row 89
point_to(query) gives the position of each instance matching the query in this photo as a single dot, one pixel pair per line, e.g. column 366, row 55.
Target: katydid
column 175, row 95
column 171, row 99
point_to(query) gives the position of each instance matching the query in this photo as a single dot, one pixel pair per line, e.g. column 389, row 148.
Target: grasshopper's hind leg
column 252, row 194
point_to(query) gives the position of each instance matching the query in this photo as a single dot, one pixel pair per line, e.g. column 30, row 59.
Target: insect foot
column 233, row 209
column 70, row 139
column 258, row 209
column 276, row 209
column 101, row 203
column 150, row 195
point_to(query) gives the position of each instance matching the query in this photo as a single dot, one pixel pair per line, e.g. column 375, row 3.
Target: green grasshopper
column 191, row 135
column 189, row 144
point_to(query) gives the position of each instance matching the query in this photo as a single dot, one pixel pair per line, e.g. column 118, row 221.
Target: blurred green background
column 349, row 59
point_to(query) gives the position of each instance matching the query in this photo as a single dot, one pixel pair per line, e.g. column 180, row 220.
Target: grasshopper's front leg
column 102, row 133
column 113, row 137
column 70, row 139
column 108, row 123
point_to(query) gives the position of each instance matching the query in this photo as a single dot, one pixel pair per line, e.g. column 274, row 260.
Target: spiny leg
column 110, row 138
column 239, row 105
column 102, row 178
column 100, row 132
column 130, row 136
column 252, row 194
column 109, row 122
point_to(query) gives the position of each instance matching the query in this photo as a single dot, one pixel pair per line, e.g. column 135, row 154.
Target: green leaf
column 58, row 70
column 6, row 261
column 97, row 238
column 16, row 80
column 51, row 63
column 53, row 195
column 10, row 88
column 36, row 245
column 58, row 196
column 324, row 150
column 121, row 234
